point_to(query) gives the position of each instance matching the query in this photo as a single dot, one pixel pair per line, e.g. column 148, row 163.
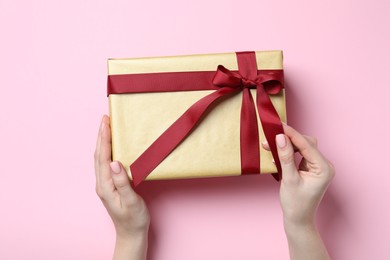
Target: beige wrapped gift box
column 213, row 147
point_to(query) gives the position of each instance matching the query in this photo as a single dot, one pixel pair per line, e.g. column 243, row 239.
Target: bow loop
column 223, row 77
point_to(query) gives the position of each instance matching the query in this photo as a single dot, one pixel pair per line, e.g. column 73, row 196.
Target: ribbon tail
column 173, row 136
column 271, row 123
column 249, row 135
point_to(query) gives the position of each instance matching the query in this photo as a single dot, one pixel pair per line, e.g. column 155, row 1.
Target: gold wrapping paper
column 213, row 147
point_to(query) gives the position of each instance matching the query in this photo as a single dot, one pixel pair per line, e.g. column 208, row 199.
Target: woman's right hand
column 301, row 191
column 302, row 187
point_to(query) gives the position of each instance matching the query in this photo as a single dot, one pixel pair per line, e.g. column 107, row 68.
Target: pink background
column 53, row 94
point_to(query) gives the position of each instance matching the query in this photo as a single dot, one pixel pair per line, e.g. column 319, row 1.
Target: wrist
column 128, row 232
column 292, row 226
column 134, row 237
column 132, row 246
column 299, row 219
column 304, row 240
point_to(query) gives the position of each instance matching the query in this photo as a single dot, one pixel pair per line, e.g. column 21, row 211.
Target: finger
column 266, row 146
column 311, row 139
column 105, row 158
column 122, row 182
column 105, row 142
column 98, row 140
column 96, row 153
column 306, row 148
column 286, row 157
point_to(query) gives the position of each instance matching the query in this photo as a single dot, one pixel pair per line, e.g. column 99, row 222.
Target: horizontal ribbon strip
column 225, row 82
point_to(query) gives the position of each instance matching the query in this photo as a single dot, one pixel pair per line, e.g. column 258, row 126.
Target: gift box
column 199, row 115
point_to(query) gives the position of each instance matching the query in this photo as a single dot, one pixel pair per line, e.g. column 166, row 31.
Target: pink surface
column 53, row 76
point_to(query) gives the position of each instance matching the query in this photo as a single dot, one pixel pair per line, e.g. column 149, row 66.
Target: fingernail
column 115, row 167
column 265, row 142
column 281, row 140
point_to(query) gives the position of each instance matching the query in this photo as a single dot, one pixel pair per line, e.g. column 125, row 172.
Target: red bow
column 249, row 135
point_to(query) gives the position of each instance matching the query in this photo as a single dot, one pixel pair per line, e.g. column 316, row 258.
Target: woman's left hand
column 126, row 208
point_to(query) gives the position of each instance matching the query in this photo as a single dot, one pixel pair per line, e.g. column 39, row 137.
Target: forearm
column 131, row 248
column 304, row 242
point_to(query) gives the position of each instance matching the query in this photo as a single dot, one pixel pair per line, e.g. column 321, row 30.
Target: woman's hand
column 301, row 191
column 127, row 209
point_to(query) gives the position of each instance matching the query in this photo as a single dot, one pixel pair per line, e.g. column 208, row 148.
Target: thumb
column 121, row 180
column 286, row 156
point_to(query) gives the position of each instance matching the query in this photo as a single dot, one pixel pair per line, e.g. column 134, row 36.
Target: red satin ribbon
column 225, row 82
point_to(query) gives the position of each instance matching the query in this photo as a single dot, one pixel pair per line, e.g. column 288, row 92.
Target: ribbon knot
column 247, row 83
column 226, row 78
